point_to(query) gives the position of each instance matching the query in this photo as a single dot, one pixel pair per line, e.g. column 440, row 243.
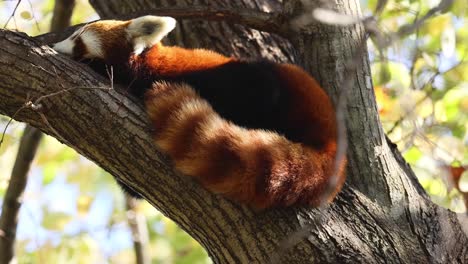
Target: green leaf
column 56, row 220
column 8, row 141
column 413, row 155
column 49, row 172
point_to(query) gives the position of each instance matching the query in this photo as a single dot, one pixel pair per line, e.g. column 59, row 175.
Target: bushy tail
column 257, row 167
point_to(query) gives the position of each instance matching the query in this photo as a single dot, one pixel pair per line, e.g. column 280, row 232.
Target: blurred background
column 74, row 212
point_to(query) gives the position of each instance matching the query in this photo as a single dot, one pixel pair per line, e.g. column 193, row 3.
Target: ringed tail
column 253, row 166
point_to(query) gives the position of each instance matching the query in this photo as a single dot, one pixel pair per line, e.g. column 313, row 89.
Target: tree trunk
column 381, row 216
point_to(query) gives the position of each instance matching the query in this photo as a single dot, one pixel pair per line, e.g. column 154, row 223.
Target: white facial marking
column 65, row 46
column 90, row 40
column 92, row 43
column 139, row 47
column 147, row 31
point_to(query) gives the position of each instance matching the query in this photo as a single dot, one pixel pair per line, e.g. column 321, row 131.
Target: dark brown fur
column 256, row 132
column 256, row 167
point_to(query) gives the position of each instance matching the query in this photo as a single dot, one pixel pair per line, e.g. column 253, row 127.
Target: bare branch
column 27, row 149
column 380, row 6
column 8, row 124
column 410, row 28
column 63, row 10
column 137, row 224
column 13, row 197
column 12, row 14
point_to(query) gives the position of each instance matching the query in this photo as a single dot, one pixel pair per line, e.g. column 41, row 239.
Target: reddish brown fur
column 256, row 167
column 116, row 39
column 174, row 61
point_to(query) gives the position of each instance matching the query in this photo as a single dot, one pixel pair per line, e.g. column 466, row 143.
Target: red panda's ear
column 147, row 31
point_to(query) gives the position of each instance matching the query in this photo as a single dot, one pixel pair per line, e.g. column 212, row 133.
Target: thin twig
column 428, row 82
column 34, row 16
column 36, row 106
column 9, row 122
column 410, row 28
column 13, row 14
column 403, row 117
column 55, row 132
column 39, row 99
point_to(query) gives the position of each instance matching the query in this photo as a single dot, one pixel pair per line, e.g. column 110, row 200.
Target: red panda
column 257, row 132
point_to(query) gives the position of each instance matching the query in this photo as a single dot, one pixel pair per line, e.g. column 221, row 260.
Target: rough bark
column 29, row 143
column 382, row 216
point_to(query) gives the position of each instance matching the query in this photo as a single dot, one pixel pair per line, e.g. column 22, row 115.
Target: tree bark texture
column 382, row 215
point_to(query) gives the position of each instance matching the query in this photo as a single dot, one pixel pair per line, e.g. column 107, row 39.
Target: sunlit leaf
column 439, row 112
column 84, row 203
column 8, row 141
column 56, row 220
column 462, row 39
column 26, row 15
column 420, row 65
column 437, row 187
column 455, row 102
column 425, row 107
column 385, row 74
column 161, row 250
column 435, row 26
column 413, row 155
column 459, row 7
column 385, row 103
column 49, row 172
column 83, row 12
column 85, row 175
column 457, row 75
column 52, row 150
column 192, row 256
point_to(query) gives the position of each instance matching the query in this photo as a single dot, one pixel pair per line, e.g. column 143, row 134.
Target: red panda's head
column 107, row 38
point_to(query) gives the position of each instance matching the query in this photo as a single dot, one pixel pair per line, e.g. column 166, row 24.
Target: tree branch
column 269, row 22
column 111, row 129
column 273, row 22
column 63, row 10
column 28, row 145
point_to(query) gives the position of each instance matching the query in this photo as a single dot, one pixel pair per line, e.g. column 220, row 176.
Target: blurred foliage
column 74, row 213
column 421, row 86
column 34, row 16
